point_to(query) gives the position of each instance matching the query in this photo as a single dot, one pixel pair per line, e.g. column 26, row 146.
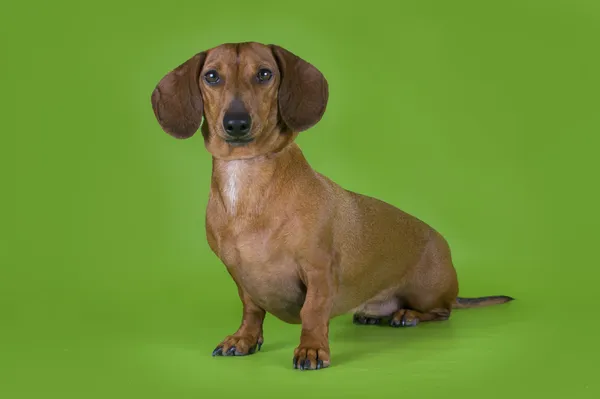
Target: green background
column 480, row 117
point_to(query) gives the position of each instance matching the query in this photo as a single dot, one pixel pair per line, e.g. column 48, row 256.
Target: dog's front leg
column 249, row 337
column 313, row 351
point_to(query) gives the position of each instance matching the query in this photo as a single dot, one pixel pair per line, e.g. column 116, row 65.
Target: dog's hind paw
column 404, row 318
column 365, row 320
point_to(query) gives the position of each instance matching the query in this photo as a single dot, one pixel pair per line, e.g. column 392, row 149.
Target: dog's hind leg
column 376, row 310
column 410, row 318
column 400, row 313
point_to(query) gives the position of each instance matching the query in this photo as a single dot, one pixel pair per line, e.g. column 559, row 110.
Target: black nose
column 237, row 124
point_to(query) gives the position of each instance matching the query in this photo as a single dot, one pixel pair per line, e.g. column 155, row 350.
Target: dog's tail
column 466, row 303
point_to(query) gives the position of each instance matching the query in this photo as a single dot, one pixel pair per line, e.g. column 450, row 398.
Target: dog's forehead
column 240, row 53
column 255, row 52
column 225, row 53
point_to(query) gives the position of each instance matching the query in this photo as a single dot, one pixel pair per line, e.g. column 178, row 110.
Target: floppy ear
column 177, row 101
column 303, row 91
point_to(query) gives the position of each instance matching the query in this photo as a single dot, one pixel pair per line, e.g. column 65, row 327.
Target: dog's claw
column 218, row 351
column 230, row 351
column 404, row 321
column 255, row 348
column 238, row 346
column 302, row 361
column 306, row 365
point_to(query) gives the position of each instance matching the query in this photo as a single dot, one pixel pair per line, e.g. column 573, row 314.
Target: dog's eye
column 212, row 77
column 264, row 75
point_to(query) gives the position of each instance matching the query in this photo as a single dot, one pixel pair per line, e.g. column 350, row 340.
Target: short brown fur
column 296, row 244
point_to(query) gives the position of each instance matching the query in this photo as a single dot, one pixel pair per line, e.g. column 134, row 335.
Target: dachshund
column 297, row 245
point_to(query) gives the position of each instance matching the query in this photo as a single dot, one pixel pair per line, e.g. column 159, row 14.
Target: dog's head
column 254, row 98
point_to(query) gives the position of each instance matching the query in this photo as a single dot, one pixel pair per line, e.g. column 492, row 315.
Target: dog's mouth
column 239, row 141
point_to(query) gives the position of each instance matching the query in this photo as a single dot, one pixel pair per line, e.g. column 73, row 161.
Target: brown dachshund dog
column 296, row 244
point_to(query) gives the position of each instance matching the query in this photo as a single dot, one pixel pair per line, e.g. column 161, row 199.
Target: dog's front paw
column 238, row 345
column 310, row 358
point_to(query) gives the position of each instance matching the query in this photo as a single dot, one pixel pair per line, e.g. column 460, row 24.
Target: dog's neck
column 243, row 186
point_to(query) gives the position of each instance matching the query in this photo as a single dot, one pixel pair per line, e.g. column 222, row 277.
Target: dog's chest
column 262, row 264
column 254, row 240
column 233, row 181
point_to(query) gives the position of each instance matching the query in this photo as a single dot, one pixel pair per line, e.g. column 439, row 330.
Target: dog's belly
column 268, row 275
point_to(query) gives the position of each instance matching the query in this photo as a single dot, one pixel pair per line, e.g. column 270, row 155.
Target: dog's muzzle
column 237, row 123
